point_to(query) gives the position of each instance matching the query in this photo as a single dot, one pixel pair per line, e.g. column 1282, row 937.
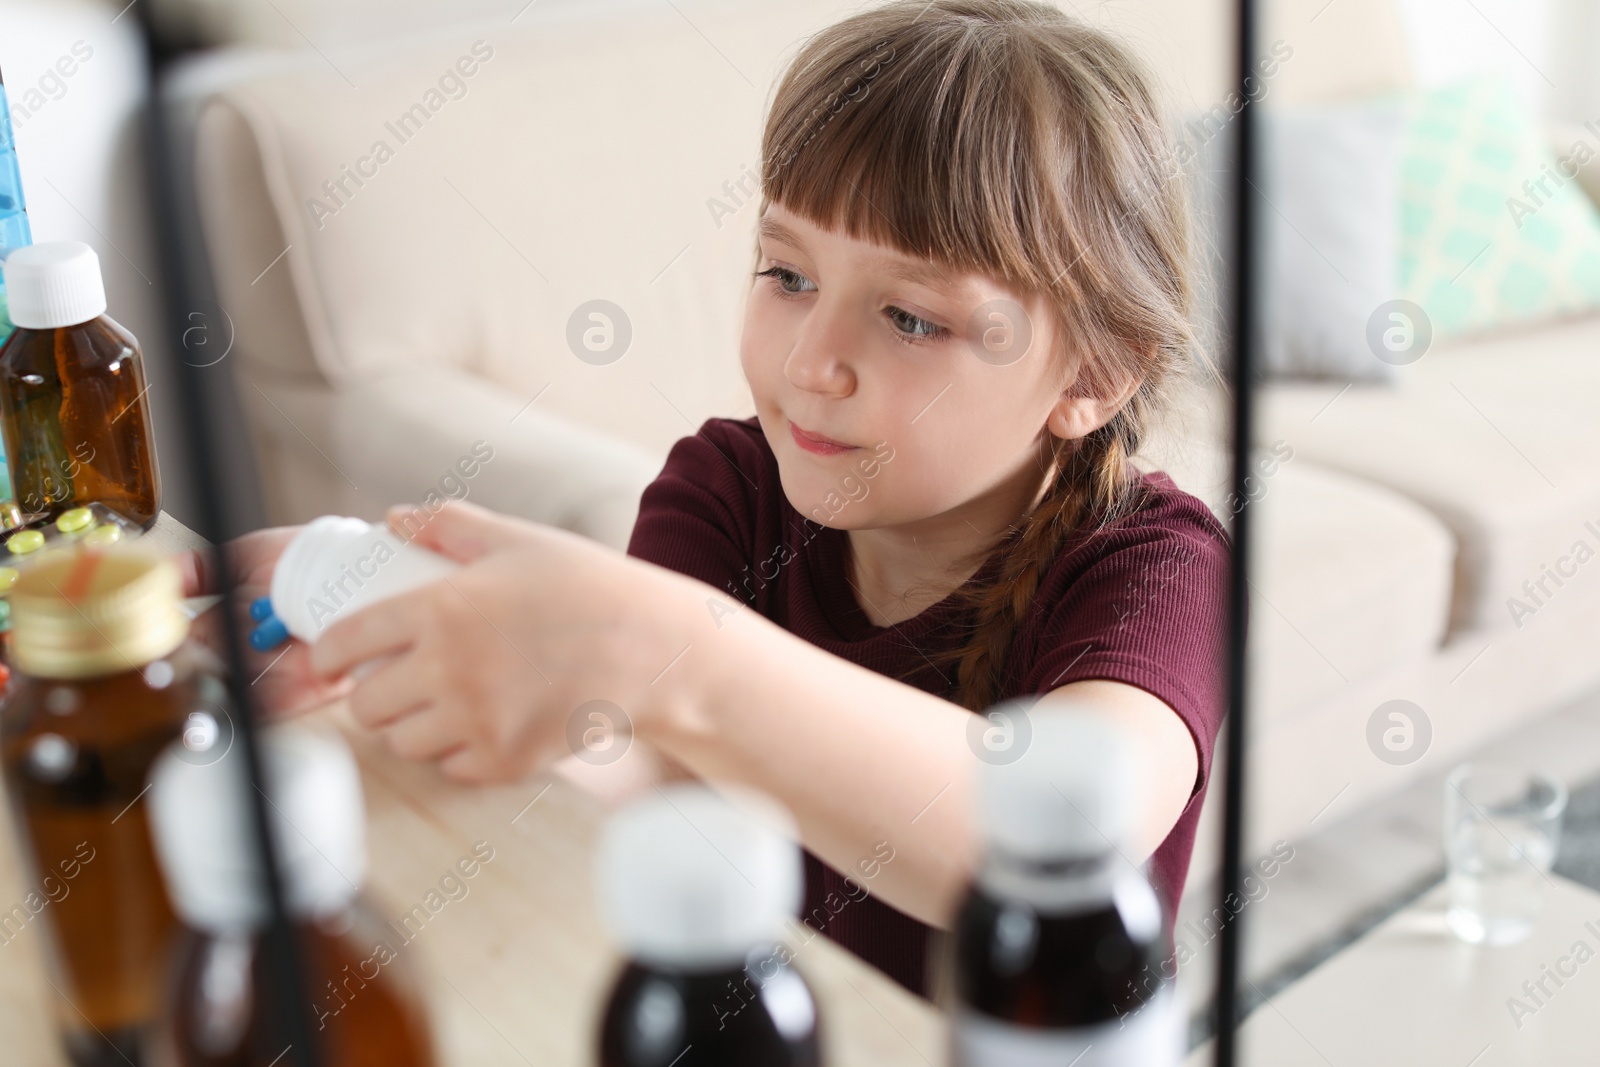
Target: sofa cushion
column 439, row 433
column 1331, row 234
column 1493, row 232
column 1497, row 437
column 1349, row 578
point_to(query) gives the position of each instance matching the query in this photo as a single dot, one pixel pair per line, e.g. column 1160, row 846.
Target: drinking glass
column 1501, row 829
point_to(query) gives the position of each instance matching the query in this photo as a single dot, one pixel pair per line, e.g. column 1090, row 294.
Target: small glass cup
column 1502, row 826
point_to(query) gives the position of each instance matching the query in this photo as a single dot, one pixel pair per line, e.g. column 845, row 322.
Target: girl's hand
column 282, row 681
column 483, row 671
column 250, row 561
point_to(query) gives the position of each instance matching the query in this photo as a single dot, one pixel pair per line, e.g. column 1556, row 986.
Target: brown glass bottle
column 73, row 404
column 103, row 682
column 224, row 1007
column 366, row 1012
column 660, row 1017
column 1074, row 965
column 77, row 421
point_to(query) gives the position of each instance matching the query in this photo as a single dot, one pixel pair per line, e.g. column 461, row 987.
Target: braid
column 1091, row 485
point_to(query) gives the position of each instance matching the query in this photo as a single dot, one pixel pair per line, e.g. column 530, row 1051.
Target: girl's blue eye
column 783, row 276
column 919, row 328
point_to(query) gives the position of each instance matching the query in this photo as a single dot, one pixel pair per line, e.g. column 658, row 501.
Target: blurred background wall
column 1545, row 43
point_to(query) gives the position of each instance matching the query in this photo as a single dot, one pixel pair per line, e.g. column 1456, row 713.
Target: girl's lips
column 817, row 444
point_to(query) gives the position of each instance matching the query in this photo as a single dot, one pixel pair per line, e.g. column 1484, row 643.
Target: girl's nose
column 816, row 363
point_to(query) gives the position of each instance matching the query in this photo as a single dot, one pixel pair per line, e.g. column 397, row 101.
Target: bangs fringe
column 902, row 141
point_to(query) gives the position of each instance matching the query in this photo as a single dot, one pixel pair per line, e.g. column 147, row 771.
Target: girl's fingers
column 250, row 558
column 391, row 689
column 466, row 765
column 284, row 684
column 458, row 530
column 384, row 629
column 425, row 734
column 197, row 572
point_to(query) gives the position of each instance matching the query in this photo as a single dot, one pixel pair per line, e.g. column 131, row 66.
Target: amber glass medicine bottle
column 103, row 681
column 73, row 403
column 696, row 885
column 365, row 1011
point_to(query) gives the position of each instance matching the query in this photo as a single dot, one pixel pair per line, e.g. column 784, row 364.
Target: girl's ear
column 1077, row 415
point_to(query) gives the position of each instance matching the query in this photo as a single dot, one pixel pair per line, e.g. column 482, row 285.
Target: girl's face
column 892, row 392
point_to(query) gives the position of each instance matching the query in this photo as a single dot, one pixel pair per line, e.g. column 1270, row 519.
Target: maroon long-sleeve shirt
column 1141, row 601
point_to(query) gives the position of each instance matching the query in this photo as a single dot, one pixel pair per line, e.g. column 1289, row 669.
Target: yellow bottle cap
column 75, row 520
column 8, row 578
column 25, row 541
column 101, row 536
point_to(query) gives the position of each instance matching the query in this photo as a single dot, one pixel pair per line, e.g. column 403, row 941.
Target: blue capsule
column 261, row 609
column 269, row 635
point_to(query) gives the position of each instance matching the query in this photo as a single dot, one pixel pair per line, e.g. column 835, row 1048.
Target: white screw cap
column 694, row 878
column 337, row 565
column 205, row 839
column 54, row 284
column 1073, row 794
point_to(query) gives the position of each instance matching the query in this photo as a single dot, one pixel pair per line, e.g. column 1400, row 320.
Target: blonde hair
column 1007, row 138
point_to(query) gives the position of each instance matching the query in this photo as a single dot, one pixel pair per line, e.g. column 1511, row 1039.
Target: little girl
column 971, row 291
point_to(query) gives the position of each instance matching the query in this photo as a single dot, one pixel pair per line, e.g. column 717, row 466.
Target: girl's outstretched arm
column 485, row 672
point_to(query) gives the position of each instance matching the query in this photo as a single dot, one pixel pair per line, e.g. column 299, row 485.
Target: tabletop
column 513, row 961
column 1410, row 993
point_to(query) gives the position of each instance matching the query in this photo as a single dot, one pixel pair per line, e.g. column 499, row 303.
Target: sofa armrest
column 401, row 437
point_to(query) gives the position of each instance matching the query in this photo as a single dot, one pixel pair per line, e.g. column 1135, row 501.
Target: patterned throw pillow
column 1494, row 230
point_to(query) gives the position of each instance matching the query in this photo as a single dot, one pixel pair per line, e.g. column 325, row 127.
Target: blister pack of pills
column 94, row 526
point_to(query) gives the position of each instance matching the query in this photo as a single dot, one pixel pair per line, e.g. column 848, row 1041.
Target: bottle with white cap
column 337, row 565
column 1058, row 955
column 695, row 885
column 365, row 1008
column 74, row 409
column 105, row 678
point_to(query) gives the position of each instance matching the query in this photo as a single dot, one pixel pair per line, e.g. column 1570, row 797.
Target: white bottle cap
column 693, row 878
column 335, row 566
column 54, row 284
column 206, row 840
column 1072, row 794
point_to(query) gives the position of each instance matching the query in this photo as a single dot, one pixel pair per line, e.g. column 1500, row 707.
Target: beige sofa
column 387, row 321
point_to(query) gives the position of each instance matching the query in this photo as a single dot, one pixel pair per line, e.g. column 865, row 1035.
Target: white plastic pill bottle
column 336, row 566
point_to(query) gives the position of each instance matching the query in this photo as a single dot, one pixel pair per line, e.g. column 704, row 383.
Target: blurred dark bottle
column 696, row 885
column 219, row 995
column 73, row 405
column 1057, row 955
column 104, row 680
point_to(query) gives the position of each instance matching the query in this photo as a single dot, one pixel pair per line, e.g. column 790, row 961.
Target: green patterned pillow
column 1492, row 231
